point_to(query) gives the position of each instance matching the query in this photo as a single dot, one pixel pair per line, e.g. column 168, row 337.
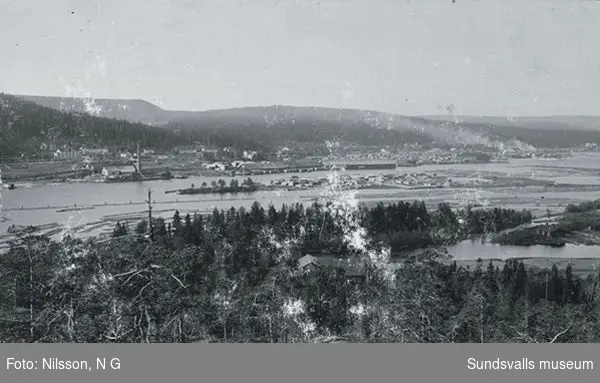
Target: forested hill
column 549, row 131
column 278, row 124
column 139, row 111
column 281, row 125
column 25, row 126
column 271, row 127
column 265, row 128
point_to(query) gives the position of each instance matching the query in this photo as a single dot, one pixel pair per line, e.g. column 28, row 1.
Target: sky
column 412, row 57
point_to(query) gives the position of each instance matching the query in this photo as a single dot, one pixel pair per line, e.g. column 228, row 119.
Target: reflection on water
column 469, row 250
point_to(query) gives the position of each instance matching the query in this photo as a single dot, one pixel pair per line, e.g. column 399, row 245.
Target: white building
column 95, row 151
column 249, row 154
column 216, row 166
column 68, row 154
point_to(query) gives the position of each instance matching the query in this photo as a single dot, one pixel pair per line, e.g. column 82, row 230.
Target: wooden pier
column 75, row 207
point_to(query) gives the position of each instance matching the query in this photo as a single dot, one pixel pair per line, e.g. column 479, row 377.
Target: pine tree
column 520, row 282
column 120, row 230
column 188, row 233
column 555, row 286
column 177, row 226
column 491, row 283
column 568, row 294
column 160, row 229
column 198, row 230
column 141, row 228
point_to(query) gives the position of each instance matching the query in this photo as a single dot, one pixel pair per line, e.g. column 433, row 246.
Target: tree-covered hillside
column 26, row 126
column 138, row 111
column 546, row 132
column 271, row 127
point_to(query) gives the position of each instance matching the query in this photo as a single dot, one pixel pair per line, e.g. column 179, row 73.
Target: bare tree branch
column 559, row 334
column 123, row 274
column 141, row 291
column 177, row 279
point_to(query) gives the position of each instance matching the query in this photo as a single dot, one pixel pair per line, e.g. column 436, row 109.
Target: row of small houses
column 76, row 154
column 72, row 154
column 212, row 154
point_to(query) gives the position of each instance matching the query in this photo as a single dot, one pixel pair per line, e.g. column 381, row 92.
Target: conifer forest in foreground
column 234, row 276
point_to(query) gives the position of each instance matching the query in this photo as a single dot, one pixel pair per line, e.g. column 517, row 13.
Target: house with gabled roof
column 306, row 261
column 355, row 268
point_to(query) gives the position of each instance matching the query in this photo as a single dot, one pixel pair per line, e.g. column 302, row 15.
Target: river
column 469, row 250
column 581, row 169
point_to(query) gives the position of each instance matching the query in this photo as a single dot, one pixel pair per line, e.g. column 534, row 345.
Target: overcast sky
column 486, row 57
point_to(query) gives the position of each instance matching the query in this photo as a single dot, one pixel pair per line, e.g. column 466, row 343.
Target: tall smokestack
column 139, row 159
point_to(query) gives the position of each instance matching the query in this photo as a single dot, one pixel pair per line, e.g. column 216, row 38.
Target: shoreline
column 581, row 266
column 100, row 230
column 62, row 176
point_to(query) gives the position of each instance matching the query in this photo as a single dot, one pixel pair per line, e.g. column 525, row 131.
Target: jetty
column 371, row 166
column 75, row 209
column 224, row 190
